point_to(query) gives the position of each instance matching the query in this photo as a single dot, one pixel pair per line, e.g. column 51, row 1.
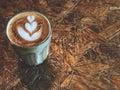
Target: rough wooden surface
column 85, row 47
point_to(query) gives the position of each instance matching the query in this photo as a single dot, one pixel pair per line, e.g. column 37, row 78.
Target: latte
column 28, row 29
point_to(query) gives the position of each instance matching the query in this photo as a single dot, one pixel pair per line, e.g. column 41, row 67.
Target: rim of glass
column 15, row 16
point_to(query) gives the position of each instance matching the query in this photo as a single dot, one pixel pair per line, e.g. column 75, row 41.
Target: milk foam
column 27, row 36
column 31, row 27
column 30, row 18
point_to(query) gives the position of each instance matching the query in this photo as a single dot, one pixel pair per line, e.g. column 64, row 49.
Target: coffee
column 28, row 29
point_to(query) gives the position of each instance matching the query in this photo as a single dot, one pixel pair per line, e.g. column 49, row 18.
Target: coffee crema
column 28, row 29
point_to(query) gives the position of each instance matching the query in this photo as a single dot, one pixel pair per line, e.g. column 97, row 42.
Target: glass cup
column 36, row 54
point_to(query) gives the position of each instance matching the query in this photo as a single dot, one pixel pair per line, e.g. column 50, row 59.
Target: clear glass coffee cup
column 32, row 55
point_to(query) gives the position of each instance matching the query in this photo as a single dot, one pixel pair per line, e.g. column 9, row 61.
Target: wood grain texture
column 84, row 52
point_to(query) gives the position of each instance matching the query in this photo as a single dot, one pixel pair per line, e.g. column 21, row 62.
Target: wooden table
column 85, row 47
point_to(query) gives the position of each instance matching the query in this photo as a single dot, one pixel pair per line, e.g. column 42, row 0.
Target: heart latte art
column 30, row 26
column 28, row 29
